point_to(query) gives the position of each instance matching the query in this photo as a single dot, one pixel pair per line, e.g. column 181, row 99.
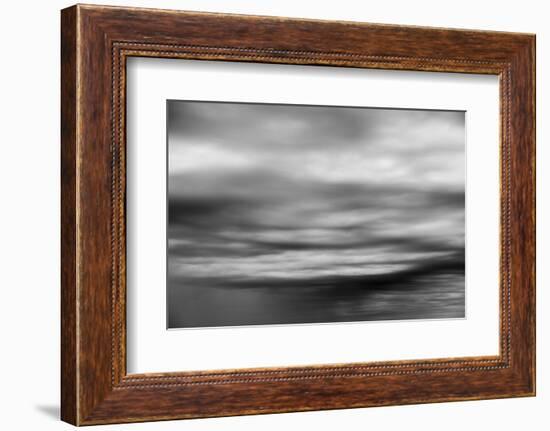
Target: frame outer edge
column 531, row 83
column 533, row 53
column 523, row 178
column 69, row 201
column 87, row 396
column 532, row 101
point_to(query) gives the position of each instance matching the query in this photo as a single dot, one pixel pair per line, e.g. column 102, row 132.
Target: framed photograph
column 264, row 214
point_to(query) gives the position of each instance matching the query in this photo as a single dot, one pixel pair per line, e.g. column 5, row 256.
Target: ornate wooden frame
column 95, row 42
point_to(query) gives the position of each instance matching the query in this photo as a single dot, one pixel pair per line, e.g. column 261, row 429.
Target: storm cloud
column 282, row 214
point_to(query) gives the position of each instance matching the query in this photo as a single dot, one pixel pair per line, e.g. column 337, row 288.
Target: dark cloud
column 239, row 125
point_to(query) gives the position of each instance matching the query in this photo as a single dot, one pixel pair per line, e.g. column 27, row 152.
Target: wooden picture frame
column 95, row 43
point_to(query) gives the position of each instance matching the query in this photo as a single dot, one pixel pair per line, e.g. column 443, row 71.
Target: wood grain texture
column 96, row 41
column 69, row 397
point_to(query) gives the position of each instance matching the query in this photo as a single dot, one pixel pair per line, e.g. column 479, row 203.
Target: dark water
column 433, row 296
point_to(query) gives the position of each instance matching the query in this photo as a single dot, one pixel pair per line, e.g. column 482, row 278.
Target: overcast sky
column 262, row 194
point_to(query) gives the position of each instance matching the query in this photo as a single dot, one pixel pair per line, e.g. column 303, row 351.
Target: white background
column 151, row 348
column 29, row 228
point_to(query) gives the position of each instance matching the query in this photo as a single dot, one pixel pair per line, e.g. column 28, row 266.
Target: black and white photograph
column 284, row 214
